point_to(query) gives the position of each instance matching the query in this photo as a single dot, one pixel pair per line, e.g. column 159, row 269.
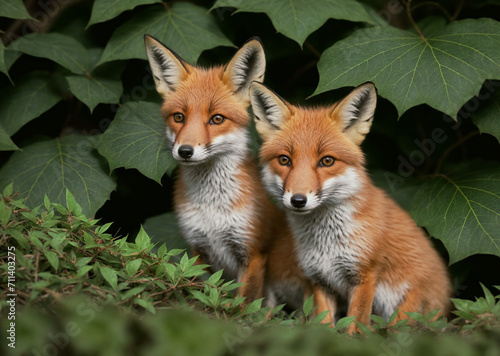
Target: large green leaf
column 31, row 97
column 462, row 211
column 104, row 10
column 13, row 9
column 6, row 143
column 62, row 49
column 444, row 71
column 185, row 28
column 51, row 167
column 93, row 90
column 101, row 85
column 136, row 139
column 297, row 19
column 164, row 229
column 487, row 118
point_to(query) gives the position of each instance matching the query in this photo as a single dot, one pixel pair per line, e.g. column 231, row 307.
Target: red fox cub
column 220, row 202
column 352, row 239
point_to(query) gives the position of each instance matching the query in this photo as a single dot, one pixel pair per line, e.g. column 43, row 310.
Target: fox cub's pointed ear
column 269, row 109
column 355, row 112
column 168, row 68
column 247, row 65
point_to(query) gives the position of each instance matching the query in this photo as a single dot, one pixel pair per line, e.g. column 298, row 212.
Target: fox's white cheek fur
column 341, row 187
column 170, row 137
column 233, row 143
column 272, row 183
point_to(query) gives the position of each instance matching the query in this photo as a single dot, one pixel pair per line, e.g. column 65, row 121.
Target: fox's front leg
column 253, row 276
column 361, row 301
column 325, row 302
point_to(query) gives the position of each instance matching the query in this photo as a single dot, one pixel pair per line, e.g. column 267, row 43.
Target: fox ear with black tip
column 270, row 110
column 355, row 112
column 168, row 68
column 246, row 66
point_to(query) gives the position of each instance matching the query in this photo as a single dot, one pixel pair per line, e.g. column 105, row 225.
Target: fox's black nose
column 298, row 200
column 185, row 151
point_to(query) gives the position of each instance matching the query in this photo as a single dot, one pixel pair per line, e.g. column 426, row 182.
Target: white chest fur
column 327, row 252
column 209, row 218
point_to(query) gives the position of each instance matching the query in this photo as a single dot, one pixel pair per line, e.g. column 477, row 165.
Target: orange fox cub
column 221, row 204
column 352, row 239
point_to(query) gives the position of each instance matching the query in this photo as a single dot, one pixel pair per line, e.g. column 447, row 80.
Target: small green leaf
column 490, row 299
column 319, row 318
column 142, row 240
column 308, row 305
column 104, row 10
column 46, row 202
column 132, row 292
column 214, row 297
column 32, row 95
column 214, row 278
column 393, row 316
column 146, row 304
column 344, row 322
column 57, row 239
column 185, row 28
column 136, row 139
column 162, row 250
column 82, row 261
column 252, row 307
column 82, row 271
column 52, row 258
column 5, row 213
column 13, row 9
column 7, row 192
column 72, row 205
column 201, row 297
column 132, row 266
column 109, row 275
column 379, row 320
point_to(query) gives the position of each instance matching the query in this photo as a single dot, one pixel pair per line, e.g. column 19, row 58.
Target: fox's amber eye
column 178, row 117
column 327, row 161
column 217, row 119
column 284, row 160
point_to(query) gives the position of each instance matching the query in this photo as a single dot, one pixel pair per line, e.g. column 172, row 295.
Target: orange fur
column 388, row 247
column 199, row 94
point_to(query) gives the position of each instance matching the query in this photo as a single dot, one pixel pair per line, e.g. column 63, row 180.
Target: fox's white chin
column 184, row 162
column 299, row 211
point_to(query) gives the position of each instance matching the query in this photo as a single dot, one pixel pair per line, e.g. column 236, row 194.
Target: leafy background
column 78, row 109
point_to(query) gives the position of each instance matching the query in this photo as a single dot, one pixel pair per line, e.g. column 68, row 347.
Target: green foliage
column 137, row 132
column 82, row 289
column 463, row 210
column 443, row 70
column 50, row 167
column 60, row 252
column 31, row 97
column 66, row 76
column 297, row 19
column 486, row 118
column 13, row 9
column 185, row 28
